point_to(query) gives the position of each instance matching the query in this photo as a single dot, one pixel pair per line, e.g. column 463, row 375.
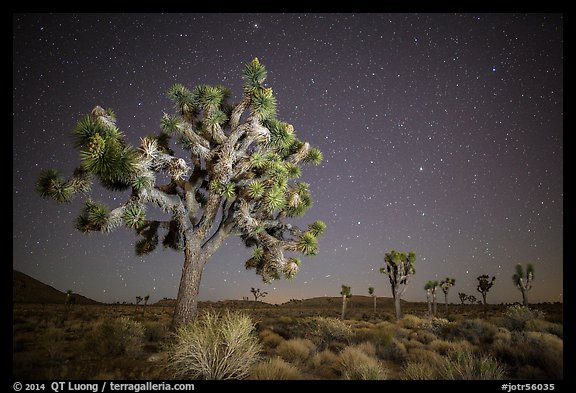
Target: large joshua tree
column 523, row 281
column 238, row 177
column 399, row 267
column 446, row 284
column 484, row 285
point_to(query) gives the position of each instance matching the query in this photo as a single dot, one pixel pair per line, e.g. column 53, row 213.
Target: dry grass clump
column 459, row 364
column 444, row 347
column 356, row 364
column 542, row 326
column 542, row 351
column 275, row 369
column 119, row 336
column 216, row 345
column 416, row 370
column 467, row 365
column 53, row 341
column 296, row 351
column 395, row 351
column 325, row 364
column 475, row 331
column 270, row 339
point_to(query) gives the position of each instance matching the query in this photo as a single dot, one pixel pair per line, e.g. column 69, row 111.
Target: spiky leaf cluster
column 346, row 291
column 238, row 176
column 446, row 284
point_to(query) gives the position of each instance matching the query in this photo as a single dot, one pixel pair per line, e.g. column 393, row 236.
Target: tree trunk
column 374, row 304
column 397, row 306
column 429, row 308
column 343, row 306
column 446, row 301
column 484, row 297
column 524, row 297
column 187, row 301
column 434, row 304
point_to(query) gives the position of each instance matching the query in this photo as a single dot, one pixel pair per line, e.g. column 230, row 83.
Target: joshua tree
column 472, row 299
column 146, row 298
column 430, row 288
column 257, row 293
column 239, row 178
column 70, row 300
column 463, row 297
column 346, row 293
column 484, row 285
column 524, row 281
column 399, row 267
column 371, row 293
column 138, row 300
column 446, row 284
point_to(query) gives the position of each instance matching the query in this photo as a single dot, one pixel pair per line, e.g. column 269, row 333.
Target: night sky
column 442, row 134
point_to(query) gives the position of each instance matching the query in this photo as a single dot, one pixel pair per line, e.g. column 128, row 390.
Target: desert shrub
column 216, row 345
column 469, row 366
column 270, row 339
column 326, row 331
column 296, row 350
column 443, row 347
column 422, row 355
column 377, row 336
column 409, row 321
column 423, row 336
column 434, row 325
column 539, row 325
column 541, row 350
column 475, row 331
column 325, row 364
column 357, row 365
column 395, row 351
column 53, row 341
column 275, row 369
column 154, row 331
column 502, row 335
column 516, row 317
column 119, row 336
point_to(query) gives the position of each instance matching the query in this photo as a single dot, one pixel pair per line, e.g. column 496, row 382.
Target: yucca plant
column 237, row 177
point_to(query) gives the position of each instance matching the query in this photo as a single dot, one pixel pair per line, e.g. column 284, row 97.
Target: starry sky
column 442, row 134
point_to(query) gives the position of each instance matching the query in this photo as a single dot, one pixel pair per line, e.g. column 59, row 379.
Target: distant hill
column 26, row 289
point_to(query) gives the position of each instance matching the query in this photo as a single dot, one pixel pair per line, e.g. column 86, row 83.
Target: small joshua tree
column 371, row 293
column 484, row 285
column 139, row 299
column 446, row 284
column 346, row 293
column 472, row 299
column 258, row 294
column 238, row 177
column 463, row 297
column 399, row 267
column 430, row 288
column 69, row 301
column 146, row 298
column 524, row 281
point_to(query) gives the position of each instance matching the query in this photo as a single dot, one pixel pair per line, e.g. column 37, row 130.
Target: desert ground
column 301, row 339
